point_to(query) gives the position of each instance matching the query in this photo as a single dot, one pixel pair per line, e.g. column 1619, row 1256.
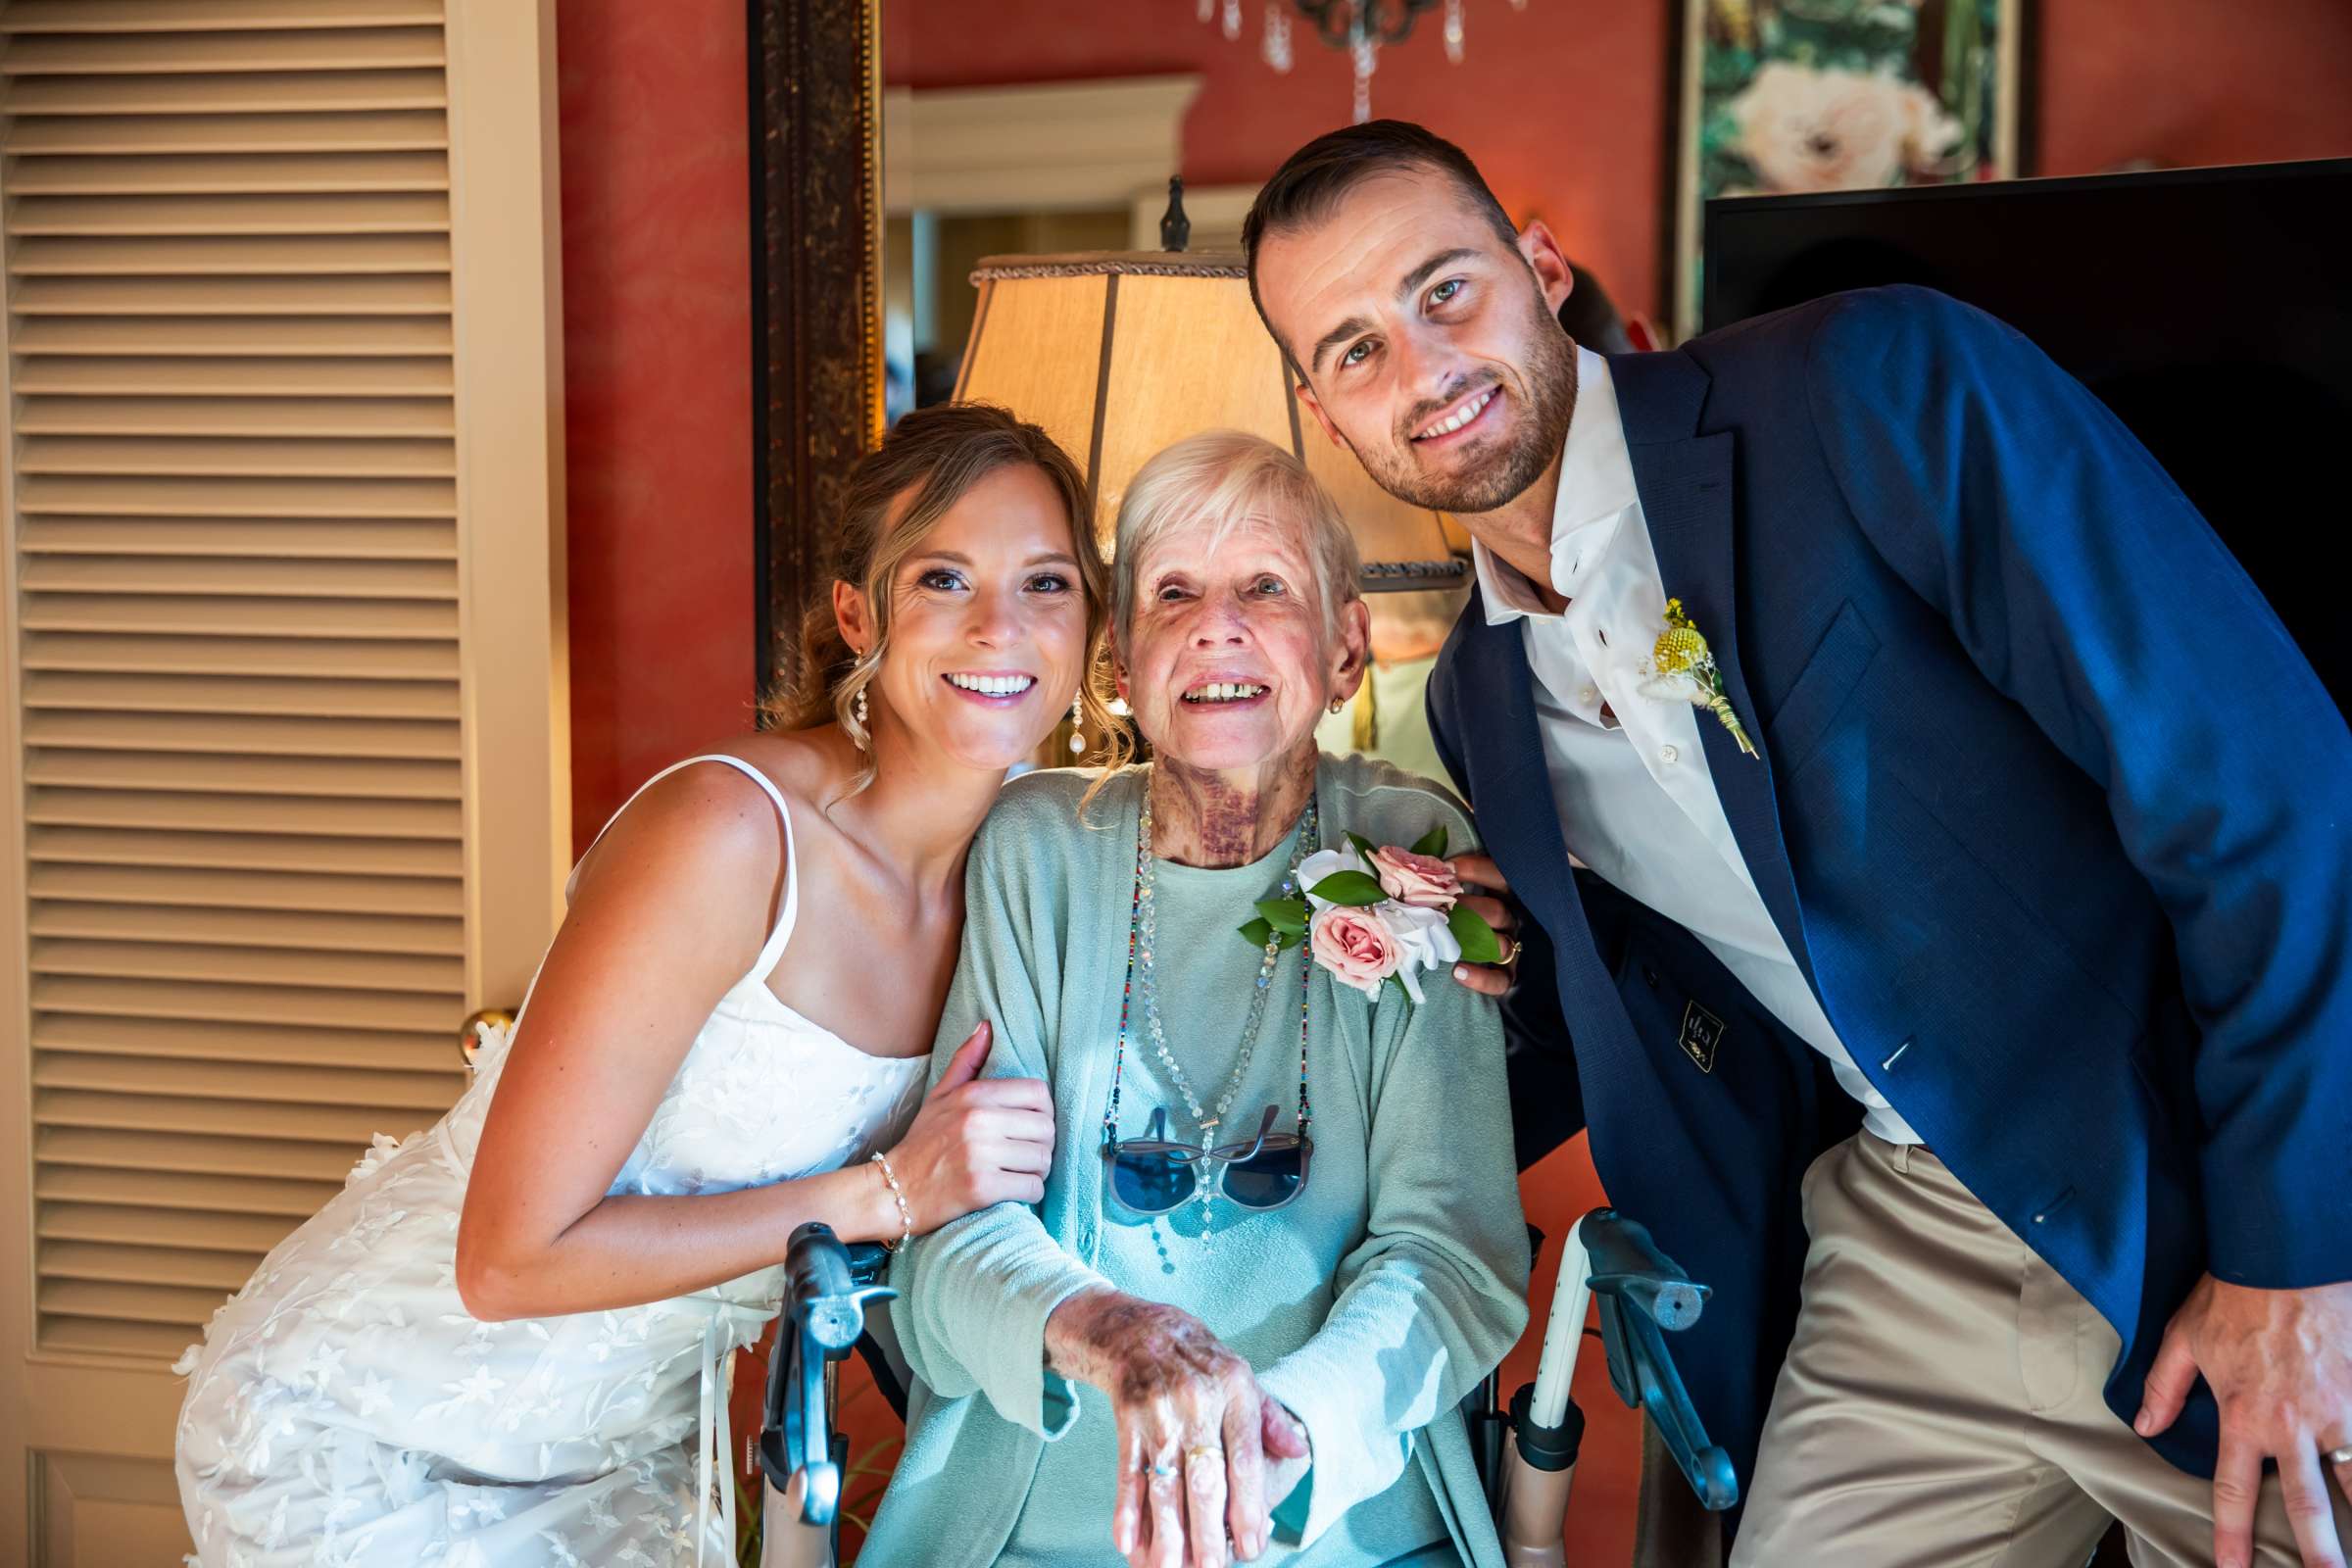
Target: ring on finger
column 1162, row 1471
column 1511, row 951
column 1204, row 1450
column 2342, row 1455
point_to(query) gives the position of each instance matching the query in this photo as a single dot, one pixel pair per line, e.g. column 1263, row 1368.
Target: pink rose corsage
column 1353, row 946
column 1421, row 880
column 1376, row 916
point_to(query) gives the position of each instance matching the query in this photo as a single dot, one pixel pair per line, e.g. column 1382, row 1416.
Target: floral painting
column 1789, row 97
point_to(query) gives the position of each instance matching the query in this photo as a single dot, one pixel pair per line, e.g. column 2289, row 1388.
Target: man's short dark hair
column 1312, row 180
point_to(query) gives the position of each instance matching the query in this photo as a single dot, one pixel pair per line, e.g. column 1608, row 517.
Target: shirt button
column 1668, row 756
column 1588, row 695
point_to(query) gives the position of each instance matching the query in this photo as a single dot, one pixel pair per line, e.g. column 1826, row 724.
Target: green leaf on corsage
column 1479, row 943
column 1351, row 887
column 1286, row 915
column 1258, row 933
column 1432, row 843
column 1363, row 845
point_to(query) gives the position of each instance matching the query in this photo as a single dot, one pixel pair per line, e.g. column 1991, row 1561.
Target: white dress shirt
column 1635, row 800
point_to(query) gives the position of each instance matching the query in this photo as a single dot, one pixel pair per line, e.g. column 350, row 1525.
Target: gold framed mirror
column 816, row 313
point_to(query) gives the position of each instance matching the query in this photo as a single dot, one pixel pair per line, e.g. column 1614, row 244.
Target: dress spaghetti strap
column 786, row 913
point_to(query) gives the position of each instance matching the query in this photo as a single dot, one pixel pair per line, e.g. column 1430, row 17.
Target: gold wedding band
column 1202, row 1450
column 1510, row 952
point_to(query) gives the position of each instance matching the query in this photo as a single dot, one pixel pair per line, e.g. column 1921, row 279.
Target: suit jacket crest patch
column 1701, row 1033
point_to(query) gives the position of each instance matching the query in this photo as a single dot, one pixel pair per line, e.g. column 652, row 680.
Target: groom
column 1878, row 739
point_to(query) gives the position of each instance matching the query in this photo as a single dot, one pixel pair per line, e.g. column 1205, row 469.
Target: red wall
column 656, row 384
column 1564, row 105
column 2184, row 83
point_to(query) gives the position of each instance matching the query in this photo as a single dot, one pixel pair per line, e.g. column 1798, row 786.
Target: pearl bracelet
column 906, row 1215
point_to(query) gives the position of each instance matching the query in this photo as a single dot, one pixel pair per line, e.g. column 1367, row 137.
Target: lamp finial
column 1175, row 229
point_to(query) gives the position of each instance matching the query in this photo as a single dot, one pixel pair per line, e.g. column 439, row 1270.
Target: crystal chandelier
column 1362, row 28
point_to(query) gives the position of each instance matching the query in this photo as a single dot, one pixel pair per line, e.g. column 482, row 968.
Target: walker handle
column 1641, row 1291
column 825, row 1295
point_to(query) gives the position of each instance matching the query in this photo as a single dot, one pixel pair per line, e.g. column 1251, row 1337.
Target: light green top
column 1370, row 1306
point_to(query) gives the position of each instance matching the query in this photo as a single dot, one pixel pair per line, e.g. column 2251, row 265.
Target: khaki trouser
column 1941, row 1405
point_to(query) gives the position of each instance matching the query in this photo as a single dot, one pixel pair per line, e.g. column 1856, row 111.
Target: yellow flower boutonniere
column 1680, row 667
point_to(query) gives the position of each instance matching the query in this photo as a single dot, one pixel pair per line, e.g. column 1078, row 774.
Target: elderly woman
column 1282, row 1237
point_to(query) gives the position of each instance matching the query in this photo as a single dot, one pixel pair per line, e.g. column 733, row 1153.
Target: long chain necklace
column 1142, row 930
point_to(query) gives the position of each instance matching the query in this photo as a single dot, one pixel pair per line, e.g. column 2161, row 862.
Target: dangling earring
column 857, row 710
column 1077, row 724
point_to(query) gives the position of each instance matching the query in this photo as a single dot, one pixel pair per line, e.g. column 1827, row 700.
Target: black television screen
column 2211, row 308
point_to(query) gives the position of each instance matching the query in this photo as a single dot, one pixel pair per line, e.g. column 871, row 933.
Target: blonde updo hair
column 939, row 454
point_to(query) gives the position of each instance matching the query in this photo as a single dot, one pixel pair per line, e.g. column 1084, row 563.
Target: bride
column 502, row 1342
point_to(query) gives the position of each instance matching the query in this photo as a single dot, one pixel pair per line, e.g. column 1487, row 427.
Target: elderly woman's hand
column 1195, row 1432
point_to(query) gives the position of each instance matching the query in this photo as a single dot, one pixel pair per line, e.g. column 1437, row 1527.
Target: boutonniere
column 1373, row 917
column 1680, row 667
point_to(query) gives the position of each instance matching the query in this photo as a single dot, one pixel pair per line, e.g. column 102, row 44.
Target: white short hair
column 1222, row 480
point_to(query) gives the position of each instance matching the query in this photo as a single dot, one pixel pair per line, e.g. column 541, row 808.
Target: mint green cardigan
column 1426, row 1303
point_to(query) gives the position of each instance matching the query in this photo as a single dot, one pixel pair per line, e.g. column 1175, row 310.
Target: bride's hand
column 975, row 1142
column 1289, row 1453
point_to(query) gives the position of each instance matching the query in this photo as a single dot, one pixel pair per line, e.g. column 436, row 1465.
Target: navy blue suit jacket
column 2051, row 811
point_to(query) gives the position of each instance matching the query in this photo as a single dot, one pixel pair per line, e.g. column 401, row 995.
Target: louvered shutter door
column 230, row 284
column 250, row 690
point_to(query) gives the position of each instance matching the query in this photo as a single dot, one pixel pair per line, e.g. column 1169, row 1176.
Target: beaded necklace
column 1142, row 927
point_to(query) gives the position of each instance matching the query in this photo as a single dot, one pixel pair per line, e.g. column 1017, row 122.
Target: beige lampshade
column 1119, row 353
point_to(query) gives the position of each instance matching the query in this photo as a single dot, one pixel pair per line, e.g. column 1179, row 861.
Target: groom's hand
column 2280, row 1366
column 1491, row 902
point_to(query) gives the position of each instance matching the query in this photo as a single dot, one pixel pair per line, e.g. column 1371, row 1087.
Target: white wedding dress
column 344, row 1407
